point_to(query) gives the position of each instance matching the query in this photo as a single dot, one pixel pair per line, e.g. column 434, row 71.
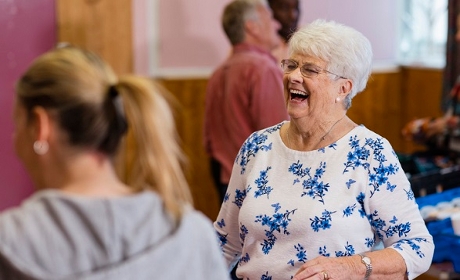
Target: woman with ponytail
column 111, row 200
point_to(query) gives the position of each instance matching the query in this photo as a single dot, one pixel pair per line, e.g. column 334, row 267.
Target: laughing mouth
column 298, row 95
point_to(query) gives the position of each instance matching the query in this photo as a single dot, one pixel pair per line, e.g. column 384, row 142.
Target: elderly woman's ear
column 345, row 87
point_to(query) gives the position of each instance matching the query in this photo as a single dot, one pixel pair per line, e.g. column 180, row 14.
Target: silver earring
column 41, row 147
column 337, row 99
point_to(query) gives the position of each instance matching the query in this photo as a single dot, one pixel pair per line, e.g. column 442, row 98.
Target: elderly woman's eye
column 310, row 70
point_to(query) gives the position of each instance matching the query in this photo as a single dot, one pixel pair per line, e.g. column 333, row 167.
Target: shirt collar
column 244, row 47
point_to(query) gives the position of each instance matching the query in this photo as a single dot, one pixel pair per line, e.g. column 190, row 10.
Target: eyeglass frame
column 313, row 72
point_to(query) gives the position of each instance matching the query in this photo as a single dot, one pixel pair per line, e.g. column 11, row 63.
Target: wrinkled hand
column 341, row 268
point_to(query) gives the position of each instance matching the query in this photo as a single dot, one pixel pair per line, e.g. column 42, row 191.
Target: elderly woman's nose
column 295, row 76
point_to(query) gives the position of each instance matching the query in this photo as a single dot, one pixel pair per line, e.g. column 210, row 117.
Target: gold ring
column 325, row 276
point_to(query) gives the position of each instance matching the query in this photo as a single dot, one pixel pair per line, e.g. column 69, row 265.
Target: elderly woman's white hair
column 346, row 51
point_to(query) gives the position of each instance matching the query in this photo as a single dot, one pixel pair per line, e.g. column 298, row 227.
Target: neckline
column 337, row 142
column 321, row 139
column 74, row 196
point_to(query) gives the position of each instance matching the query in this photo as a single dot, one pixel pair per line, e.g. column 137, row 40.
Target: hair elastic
column 116, row 101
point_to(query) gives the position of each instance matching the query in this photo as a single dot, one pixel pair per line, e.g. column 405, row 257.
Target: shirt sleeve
column 393, row 212
column 226, row 224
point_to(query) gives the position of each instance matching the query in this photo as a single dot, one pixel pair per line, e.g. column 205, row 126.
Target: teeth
column 295, row 91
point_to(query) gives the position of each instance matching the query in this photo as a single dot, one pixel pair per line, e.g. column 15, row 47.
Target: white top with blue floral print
column 284, row 207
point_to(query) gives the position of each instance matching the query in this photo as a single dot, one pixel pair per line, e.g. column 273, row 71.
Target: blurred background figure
column 111, row 200
column 245, row 93
column 287, row 13
column 440, row 135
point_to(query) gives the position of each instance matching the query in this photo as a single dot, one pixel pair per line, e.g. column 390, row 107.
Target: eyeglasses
column 307, row 70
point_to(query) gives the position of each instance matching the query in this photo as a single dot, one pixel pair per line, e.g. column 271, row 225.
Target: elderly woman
column 90, row 217
column 320, row 197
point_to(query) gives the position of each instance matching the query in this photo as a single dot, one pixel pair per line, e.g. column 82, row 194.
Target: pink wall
column 190, row 34
column 27, row 29
column 378, row 20
column 141, row 40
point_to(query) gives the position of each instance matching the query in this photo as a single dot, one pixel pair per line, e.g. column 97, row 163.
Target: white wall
column 185, row 37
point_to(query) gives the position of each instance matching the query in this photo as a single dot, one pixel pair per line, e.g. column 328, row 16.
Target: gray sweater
column 53, row 235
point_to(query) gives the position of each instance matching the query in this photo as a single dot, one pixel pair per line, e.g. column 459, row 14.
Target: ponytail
column 150, row 156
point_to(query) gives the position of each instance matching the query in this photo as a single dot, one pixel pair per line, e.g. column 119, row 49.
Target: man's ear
column 42, row 123
column 252, row 28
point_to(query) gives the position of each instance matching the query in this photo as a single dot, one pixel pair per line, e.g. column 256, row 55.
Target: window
column 423, row 32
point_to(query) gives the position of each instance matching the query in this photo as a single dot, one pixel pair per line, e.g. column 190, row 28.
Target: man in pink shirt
column 245, row 93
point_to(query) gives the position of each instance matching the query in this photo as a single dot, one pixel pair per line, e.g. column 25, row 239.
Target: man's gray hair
column 235, row 15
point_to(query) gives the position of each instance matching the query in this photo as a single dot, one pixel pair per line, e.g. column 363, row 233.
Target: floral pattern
column 330, row 202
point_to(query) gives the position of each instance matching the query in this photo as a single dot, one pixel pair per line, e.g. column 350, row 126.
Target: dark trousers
column 221, row 187
column 222, row 190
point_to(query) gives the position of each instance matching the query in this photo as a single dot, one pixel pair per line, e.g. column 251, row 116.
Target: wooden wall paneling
column 422, row 93
column 102, row 26
column 190, row 118
column 379, row 106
